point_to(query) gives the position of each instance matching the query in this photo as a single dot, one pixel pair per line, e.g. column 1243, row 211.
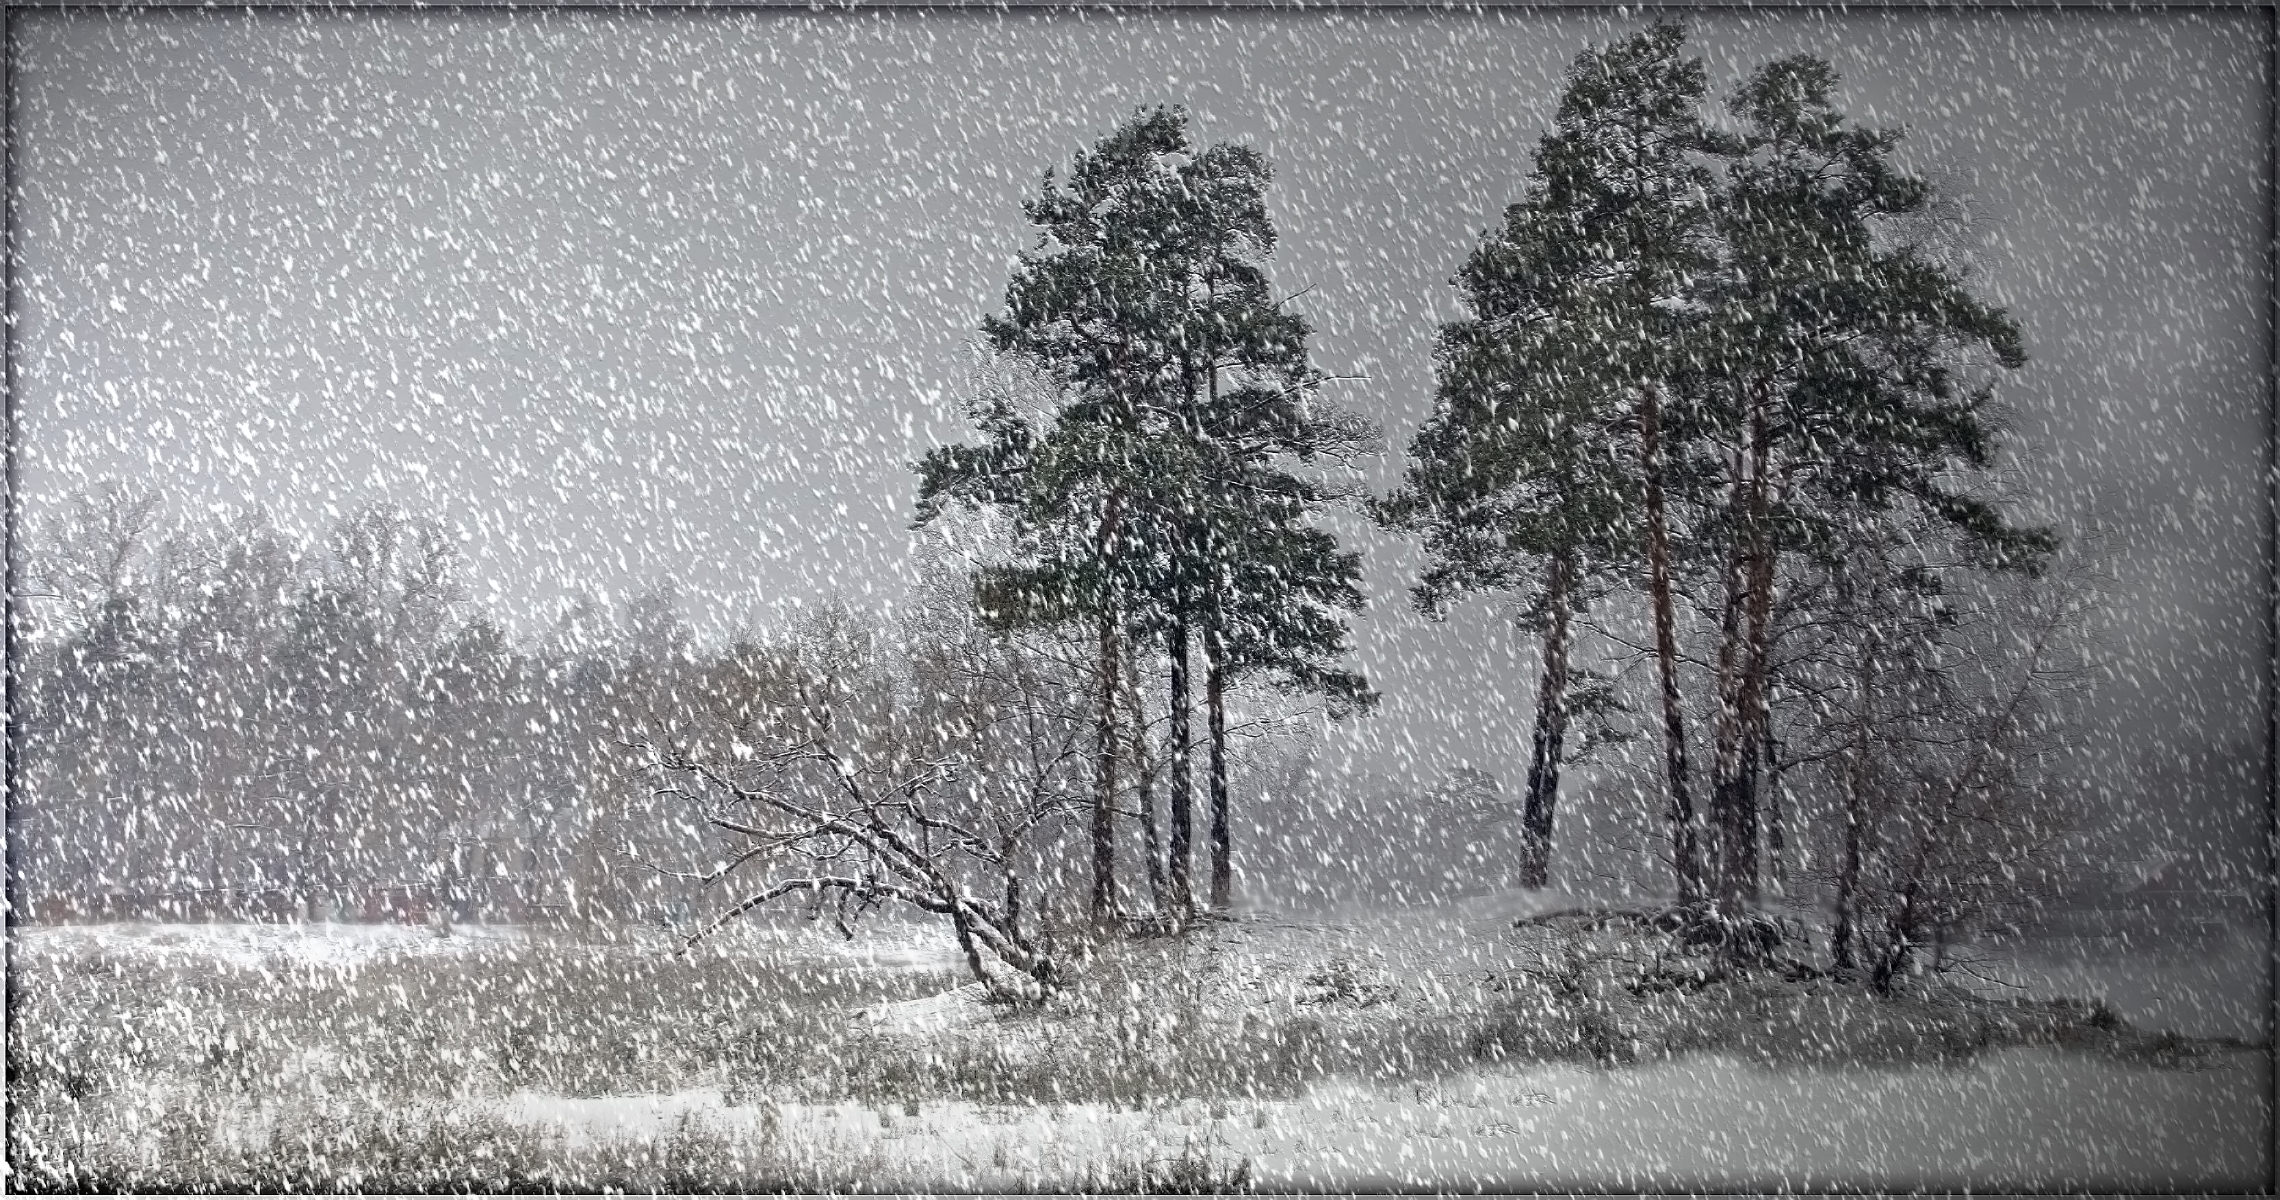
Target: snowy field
column 884, row 947
column 2019, row 1118
column 1356, row 1051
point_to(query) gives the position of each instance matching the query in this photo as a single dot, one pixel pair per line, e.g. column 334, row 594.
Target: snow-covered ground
column 253, row 944
column 2028, row 1119
column 2200, row 979
column 2023, row 1118
column 881, row 946
column 2203, row 981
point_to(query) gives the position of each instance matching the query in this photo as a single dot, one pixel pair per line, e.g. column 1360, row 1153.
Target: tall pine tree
column 1095, row 305
column 1187, row 393
column 1577, row 312
column 1834, row 379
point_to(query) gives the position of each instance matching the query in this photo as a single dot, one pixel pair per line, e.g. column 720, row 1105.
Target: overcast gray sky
column 625, row 297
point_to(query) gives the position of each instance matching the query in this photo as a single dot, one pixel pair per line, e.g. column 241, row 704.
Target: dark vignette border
column 12, row 615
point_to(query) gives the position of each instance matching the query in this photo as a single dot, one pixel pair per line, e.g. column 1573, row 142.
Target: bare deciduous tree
column 1939, row 710
column 853, row 775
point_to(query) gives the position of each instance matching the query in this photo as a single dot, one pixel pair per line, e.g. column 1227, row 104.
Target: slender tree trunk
column 1215, row 700
column 1843, row 933
column 1681, row 813
column 1105, row 748
column 1743, row 660
column 1551, row 730
column 1893, row 958
column 1104, row 781
column 1776, row 813
column 1144, row 778
column 1757, row 683
column 1725, row 725
column 963, row 926
column 1183, row 814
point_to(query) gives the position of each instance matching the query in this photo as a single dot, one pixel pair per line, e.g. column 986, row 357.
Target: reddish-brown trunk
column 1743, row 662
column 1681, row 812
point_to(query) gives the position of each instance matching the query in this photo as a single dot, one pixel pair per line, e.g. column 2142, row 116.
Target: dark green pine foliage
column 1844, row 385
column 1526, row 479
column 1284, row 589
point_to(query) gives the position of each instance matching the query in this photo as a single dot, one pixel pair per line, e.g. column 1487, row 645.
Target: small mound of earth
column 1636, row 986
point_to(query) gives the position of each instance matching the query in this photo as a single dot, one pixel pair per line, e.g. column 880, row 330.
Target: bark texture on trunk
column 1106, row 752
column 1143, row 777
column 1105, row 748
column 1012, row 901
column 1725, row 723
column 1215, row 699
column 1776, row 813
column 1844, row 933
column 1550, row 733
column 1743, row 661
column 1183, row 799
column 1685, row 852
column 1898, row 952
column 1757, row 683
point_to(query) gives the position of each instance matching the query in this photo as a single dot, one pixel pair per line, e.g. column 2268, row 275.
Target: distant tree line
column 226, row 711
column 229, row 720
